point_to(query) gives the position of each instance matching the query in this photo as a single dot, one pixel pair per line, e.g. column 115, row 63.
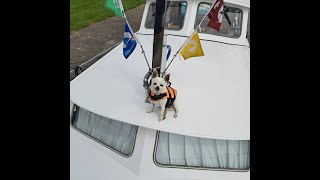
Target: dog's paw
column 161, row 118
column 175, row 115
column 150, row 110
column 147, row 101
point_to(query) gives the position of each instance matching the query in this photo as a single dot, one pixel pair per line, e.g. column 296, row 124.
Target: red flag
column 215, row 15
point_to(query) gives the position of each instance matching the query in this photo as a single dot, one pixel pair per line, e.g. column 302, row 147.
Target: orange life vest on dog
column 170, row 95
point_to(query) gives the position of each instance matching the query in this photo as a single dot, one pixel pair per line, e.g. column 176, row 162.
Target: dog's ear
column 167, row 77
column 154, row 73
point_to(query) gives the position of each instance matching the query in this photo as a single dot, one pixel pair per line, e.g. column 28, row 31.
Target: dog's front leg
column 152, row 107
column 147, row 95
column 165, row 113
column 162, row 110
column 176, row 109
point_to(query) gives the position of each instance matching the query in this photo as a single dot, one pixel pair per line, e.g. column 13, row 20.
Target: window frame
column 221, row 35
column 188, row 167
column 75, row 110
column 184, row 19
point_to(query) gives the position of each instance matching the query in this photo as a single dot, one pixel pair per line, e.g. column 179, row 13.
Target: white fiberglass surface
column 213, row 90
column 186, row 18
column 90, row 160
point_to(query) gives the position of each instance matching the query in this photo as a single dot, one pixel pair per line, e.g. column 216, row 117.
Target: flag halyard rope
column 188, row 38
column 135, row 36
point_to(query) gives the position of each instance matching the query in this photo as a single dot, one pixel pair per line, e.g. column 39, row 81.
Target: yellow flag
column 192, row 48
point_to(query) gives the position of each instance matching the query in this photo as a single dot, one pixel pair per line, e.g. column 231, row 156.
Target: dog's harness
column 170, row 95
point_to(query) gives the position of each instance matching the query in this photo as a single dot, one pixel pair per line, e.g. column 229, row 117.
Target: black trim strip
column 202, row 39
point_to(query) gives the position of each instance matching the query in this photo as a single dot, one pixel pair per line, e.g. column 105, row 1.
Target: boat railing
column 75, row 71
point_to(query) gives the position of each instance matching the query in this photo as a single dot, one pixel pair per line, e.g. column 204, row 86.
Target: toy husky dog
column 163, row 95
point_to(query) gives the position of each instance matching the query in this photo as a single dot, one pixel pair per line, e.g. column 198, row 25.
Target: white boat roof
column 245, row 3
column 213, row 90
column 190, row 20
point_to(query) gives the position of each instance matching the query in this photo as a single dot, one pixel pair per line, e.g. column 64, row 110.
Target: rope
column 205, row 16
column 137, row 39
column 188, row 37
column 145, row 56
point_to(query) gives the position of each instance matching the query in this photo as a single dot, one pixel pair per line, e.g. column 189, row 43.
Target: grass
column 84, row 13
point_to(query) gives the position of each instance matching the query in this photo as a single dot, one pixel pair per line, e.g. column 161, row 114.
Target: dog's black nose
column 157, row 88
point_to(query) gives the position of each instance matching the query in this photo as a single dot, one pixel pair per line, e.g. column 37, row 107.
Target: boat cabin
column 113, row 137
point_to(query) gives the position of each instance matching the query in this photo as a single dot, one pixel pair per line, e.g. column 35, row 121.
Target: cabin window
column 176, row 12
column 116, row 135
column 230, row 28
column 193, row 152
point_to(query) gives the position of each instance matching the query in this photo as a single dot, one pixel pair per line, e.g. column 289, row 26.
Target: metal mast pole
column 159, row 38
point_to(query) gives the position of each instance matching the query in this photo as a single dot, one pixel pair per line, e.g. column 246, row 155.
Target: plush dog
column 162, row 95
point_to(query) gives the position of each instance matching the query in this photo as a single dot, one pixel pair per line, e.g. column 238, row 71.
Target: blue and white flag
column 129, row 41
